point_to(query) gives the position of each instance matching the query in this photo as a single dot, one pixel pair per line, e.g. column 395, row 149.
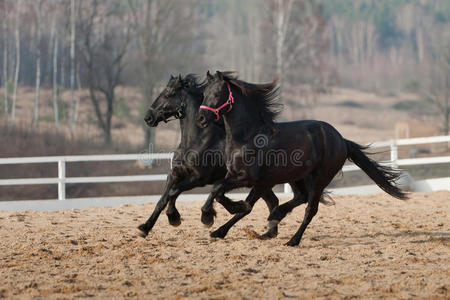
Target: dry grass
column 372, row 120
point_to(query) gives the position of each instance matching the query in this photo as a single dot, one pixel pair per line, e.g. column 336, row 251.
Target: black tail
column 383, row 176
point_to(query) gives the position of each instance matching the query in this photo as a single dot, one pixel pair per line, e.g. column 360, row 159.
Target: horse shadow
column 368, row 239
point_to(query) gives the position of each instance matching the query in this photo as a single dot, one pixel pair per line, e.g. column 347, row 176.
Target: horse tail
column 383, row 176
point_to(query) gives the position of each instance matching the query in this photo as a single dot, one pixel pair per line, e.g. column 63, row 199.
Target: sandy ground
column 366, row 247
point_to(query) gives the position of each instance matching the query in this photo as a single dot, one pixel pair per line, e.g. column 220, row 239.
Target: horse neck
column 190, row 132
column 242, row 120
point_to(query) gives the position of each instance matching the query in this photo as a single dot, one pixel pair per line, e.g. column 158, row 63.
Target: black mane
column 193, row 84
column 266, row 96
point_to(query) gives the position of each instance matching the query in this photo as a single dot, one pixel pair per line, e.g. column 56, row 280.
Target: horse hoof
column 218, row 234
column 268, row 235
column 208, row 218
column 240, row 207
column 142, row 232
column 292, row 243
column 175, row 222
column 174, row 219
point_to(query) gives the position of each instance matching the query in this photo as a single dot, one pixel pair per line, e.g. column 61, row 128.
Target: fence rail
column 62, row 161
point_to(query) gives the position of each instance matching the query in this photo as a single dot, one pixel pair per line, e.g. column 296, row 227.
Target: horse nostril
column 148, row 118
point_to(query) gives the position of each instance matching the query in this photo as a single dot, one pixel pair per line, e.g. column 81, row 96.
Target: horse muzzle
column 150, row 119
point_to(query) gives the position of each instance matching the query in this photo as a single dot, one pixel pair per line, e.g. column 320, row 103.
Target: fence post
column 394, row 153
column 61, row 179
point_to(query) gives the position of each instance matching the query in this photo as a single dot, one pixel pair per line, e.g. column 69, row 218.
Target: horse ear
column 171, row 77
column 179, row 77
column 220, row 75
column 209, row 76
column 186, row 82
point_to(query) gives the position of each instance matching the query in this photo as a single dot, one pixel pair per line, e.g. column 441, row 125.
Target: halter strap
column 178, row 115
column 229, row 102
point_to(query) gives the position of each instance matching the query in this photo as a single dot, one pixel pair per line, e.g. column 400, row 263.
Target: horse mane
column 194, row 84
column 196, row 87
column 265, row 96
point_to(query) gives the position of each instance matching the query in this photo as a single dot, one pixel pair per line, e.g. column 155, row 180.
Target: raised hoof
column 174, row 219
column 218, row 234
column 208, row 218
column 240, row 207
column 142, row 232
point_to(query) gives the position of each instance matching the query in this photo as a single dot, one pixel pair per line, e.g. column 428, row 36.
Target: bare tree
column 162, row 30
column 16, row 74
column 297, row 45
column 237, row 48
column 54, row 38
column 438, row 86
column 299, row 40
column 104, row 41
column 38, row 9
column 282, row 11
column 74, row 105
column 5, row 60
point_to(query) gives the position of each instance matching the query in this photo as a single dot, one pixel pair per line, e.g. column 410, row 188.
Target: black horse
column 199, row 159
column 262, row 153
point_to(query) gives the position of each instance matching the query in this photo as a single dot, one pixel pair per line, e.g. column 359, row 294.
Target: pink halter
column 229, row 102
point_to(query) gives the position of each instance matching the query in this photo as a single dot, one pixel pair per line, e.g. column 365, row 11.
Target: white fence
column 62, row 161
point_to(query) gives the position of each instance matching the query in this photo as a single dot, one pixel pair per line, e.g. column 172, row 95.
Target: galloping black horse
column 262, row 153
column 199, row 159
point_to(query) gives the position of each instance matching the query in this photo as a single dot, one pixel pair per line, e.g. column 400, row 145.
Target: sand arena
column 365, row 247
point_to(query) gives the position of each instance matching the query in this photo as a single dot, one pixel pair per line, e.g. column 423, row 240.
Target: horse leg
column 272, row 201
column 310, row 212
column 173, row 190
column 233, row 207
column 219, row 188
column 148, row 225
column 189, row 183
column 172, row 213
column 251, row 199
column 320, row 179
column 300, row 190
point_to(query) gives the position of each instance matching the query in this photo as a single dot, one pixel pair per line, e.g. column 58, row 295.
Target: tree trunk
column 55, row 78
column 77, row 99
column 97, row 110
column 5, row 69
column 16, row 75
column 109, row 114
column 38, row 66
column 447, row 100
column 282, row 19
column 148, row 97
column 280, row 38
column 63, row 66
column 72, row 65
